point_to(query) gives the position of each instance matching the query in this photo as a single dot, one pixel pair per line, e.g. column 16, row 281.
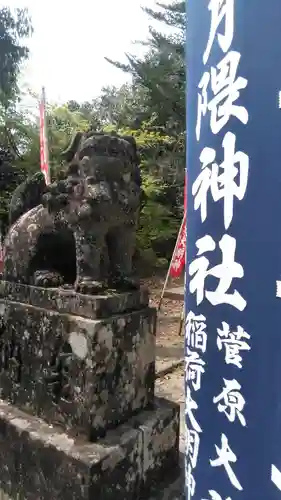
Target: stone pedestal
column 78, row 417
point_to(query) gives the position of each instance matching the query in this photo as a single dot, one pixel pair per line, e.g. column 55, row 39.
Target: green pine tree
column 14, row 28
column 161, row 72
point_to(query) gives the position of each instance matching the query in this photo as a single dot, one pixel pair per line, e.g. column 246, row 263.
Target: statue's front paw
column 88, row 286
column 47, row 279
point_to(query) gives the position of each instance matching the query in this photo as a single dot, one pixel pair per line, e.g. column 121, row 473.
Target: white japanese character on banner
column 194, row 368
column 230, row 183
column 203, row 183
column 215, row 496
column 225, row 458
column 179, row 255
column 225, row 272
column 190, row 406
column 178, row 259
column 190, row 483
column 192, row 447
column 221, row 10
column 202, row 106
column 234, row 342
column 233, row 401
column 195, row 334
column 225, row 89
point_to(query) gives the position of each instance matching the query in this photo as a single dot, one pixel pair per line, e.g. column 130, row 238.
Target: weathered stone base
column 40, row 462
column 86, row 375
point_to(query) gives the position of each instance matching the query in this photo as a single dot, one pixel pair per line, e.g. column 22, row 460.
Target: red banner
column 178, row 259
column 44, row 162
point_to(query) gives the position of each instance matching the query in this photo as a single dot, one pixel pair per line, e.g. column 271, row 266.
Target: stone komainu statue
column 96, row 206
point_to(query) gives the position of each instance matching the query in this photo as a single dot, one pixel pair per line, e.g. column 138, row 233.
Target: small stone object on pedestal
column 78, row 416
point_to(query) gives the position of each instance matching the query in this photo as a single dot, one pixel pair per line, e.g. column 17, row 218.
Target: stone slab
column 70, row 302
column 164, row 367
column 41, row 462
column 86, row 375
column 176, row 293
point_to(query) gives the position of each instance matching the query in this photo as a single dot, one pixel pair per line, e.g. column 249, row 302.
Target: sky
column 70, row 42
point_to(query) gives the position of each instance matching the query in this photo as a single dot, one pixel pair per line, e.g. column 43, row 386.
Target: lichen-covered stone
column 88, row 375
column 40, row 462
column 96, row 207
column 71, row 302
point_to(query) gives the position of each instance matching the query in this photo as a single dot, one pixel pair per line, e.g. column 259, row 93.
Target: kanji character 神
column 225, row 181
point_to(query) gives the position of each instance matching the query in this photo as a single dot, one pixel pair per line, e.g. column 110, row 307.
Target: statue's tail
column 26, row 196
column 72, row 149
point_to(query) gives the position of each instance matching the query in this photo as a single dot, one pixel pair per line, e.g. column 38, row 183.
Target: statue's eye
column 87, row 151
column 73, row 169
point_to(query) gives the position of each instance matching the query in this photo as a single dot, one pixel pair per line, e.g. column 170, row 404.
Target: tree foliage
column 14, row 28
column 10, row 176
column 161, row 72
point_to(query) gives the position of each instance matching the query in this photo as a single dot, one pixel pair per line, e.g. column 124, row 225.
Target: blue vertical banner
column 233, row 271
